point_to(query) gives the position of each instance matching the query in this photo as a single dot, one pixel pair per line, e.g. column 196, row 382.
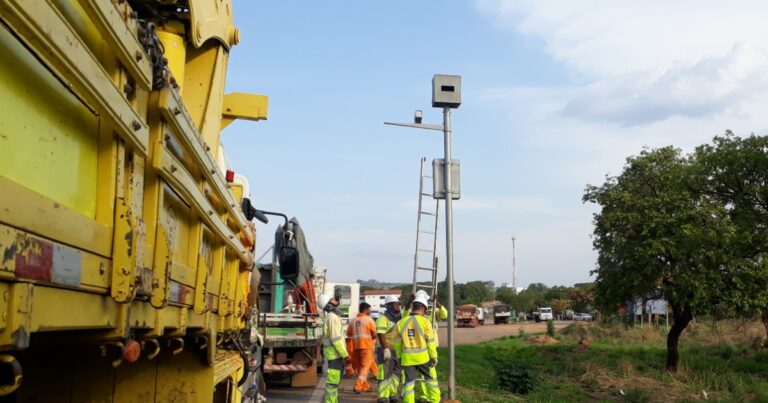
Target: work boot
column 382, row 401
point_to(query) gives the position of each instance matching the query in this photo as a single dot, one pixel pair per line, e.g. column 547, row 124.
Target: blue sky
column 555, row 95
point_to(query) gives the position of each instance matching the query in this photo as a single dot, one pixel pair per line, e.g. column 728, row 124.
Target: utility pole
column 449, row 253
column 514, row 269
column 446, row 94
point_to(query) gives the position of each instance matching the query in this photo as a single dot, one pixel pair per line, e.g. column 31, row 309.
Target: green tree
column 583, row 297
column 735, row 172
column 473, row 292
column 505, row 295
column 657, row 235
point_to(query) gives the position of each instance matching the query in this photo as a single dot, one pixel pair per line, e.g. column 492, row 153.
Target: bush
column 514, row 371
column 551, row 328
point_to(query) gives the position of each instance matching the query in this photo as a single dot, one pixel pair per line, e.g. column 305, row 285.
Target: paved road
column 346, row 394
column 463, row 336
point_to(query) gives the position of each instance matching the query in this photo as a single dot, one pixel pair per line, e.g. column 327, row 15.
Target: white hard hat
column 422, row 298
column 391, row 298
column 322, row 300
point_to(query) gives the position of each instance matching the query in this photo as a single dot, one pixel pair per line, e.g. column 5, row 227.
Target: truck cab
column 544, row 314
column 501, row 314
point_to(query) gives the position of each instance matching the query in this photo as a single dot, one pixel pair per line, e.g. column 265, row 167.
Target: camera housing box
column 446, row 91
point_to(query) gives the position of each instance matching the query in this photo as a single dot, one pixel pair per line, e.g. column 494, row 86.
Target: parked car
column 582, row 316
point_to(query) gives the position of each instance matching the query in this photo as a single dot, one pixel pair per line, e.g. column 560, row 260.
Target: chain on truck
column 126, row 239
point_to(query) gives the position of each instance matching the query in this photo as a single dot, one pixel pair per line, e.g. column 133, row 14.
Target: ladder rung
column 424, row 286
column 428, row 176
column 427, row 232
column 427, row 194
column 427, row 213
column 426, row 268
column 426, row 250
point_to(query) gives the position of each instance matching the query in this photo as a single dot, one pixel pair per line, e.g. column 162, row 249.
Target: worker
column 417, row 351
column 334, row 347
column 440, row 314
column 386, row 355
column 362, row 332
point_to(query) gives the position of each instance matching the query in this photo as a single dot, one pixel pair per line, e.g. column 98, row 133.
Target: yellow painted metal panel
column 181, row 378
column 121, row 40
column 92, row 272
column 38, row 214
column 181, row 122
column 135, row 382
column 176, row 53
column 60, row 309
column 46, row 31
column 48, row 138
column 181, row 181
column 239, row 105
column 213, row 20
column 81, row 23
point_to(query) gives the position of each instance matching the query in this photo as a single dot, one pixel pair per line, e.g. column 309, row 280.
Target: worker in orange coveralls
column 362, row 333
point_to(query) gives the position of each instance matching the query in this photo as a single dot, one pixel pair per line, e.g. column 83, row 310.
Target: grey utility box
column 446, row 91
column 438, row 183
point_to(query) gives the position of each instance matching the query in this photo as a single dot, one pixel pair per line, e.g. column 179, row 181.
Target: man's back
column 362, row 332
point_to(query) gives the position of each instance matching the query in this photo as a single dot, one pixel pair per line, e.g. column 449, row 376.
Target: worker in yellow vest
column 441, row 313
column 417, row 351
column 334, row 347
column 386, row 354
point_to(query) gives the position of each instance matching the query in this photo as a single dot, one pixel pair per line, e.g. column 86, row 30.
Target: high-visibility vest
column 388, row 328
column 417, row 343
column 362, row 332
column 441, row 314
column 333, row 340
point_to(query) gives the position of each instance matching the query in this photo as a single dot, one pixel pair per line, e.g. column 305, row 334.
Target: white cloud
column 709, row 86
column 649, row 61
column 604, row 38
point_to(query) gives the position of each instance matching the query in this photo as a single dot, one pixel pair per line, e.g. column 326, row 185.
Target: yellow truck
column 126, row 254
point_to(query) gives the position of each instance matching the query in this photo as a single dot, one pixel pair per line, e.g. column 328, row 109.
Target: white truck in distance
column 544, row 314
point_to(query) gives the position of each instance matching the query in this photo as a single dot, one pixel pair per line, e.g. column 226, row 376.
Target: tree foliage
column 657, row 234
column 734, row 171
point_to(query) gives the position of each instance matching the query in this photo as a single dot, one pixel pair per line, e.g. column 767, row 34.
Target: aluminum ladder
column 425, row 257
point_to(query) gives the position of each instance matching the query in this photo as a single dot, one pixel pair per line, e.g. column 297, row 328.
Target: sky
column 555, row 95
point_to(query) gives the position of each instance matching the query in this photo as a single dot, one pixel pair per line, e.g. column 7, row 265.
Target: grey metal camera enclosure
column 446, row 91
column 438, row 181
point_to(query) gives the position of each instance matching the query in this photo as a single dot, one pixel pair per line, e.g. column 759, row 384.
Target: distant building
column 376, row 298
column 517, row 290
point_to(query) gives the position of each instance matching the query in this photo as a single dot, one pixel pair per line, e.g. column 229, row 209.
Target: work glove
column 387, row 354
column 432, row 362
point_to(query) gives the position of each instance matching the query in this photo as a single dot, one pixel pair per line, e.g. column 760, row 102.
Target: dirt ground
column 468, row 335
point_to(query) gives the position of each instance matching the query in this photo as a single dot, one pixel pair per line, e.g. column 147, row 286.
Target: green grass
column 615, row 363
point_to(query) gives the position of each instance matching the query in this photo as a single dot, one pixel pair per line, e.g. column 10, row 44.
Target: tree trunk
column 765, row 322
column 682, row 316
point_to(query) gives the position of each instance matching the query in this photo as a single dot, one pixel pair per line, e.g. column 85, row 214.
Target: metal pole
column 449, row 252
column 514, row 269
